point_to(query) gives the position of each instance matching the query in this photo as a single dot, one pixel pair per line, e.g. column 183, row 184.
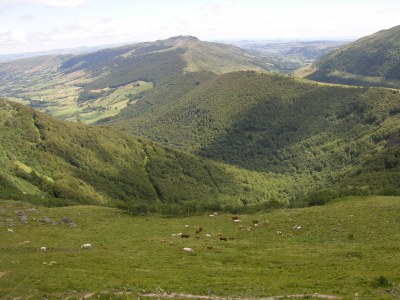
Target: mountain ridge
column 372, row 60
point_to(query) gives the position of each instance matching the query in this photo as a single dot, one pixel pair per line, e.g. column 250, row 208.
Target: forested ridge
column 271, row 123
column 58, row 163
column 373, row 60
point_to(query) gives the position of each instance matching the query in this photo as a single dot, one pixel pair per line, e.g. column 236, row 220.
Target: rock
column 45, row 220
column 66, row 221
column 23, row 218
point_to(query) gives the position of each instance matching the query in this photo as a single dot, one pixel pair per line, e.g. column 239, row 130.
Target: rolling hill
column 58, row 163
column 270, row 123
column 96, row 85
column 373, row 60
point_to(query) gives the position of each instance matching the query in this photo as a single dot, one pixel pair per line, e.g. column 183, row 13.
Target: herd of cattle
column 222, row 237
column 197, row 234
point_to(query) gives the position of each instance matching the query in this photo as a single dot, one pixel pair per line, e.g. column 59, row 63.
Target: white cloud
column 13, row 37
column 49, row 3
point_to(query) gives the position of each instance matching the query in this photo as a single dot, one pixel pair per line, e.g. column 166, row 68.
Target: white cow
column 187, row 249
column 43, row 249
column 86, row 246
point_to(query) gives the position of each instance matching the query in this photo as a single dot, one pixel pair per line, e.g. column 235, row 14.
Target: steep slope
column 373, row 60
column 96, row 85
column 271, row 123
column 46, row 160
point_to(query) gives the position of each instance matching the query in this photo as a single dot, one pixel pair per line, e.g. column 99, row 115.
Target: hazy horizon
column 43, row 25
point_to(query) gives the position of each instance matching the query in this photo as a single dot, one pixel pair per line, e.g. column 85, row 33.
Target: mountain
column 270, row 123
column 56, row 162
column 92, row 86
column 373, row 60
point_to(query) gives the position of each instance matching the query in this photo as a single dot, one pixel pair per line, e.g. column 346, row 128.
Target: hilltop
column 372, row 60
column 96, row 85
column 59, row 163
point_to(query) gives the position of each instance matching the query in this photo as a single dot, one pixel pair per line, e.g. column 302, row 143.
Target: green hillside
column 270, row 123
column 93, row 86
column 373, row 61
column 347, row 248
column 48, row 161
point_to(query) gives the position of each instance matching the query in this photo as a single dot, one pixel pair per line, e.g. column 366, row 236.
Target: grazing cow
column 86, row 246
column 197, row 237
column 187, row 249
column 162, row 241
column 279, row 232
column 241, row 227
column 249, row 229
column 255, row 221
column 236, row 221
column 223, row 238
column 43, row 249
column 185, row 236
column 208, row 235
column 235, row 218
column 210, row 247
column 256, row 225
column 211, row 215
column 215, row 214
column 187, row 226
column 171, row 244
column 10, row 230
column 296, row 227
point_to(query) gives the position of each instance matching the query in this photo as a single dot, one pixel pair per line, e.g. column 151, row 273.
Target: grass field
column 342, row 249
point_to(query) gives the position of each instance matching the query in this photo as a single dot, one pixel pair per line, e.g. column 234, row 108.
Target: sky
column 38, row 25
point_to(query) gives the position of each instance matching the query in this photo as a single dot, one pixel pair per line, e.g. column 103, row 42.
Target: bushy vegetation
column 372, row 60
column 96, row 165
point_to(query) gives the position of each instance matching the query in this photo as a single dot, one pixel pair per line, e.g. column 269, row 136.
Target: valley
column 286, row 155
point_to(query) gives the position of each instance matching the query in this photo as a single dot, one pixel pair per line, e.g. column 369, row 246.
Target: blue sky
column 35, row 25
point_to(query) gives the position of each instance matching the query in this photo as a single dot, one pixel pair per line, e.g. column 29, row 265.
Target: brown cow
column 185, row 236
column 223, row 238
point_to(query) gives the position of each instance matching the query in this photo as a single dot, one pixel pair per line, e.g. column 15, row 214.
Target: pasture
column 344, row 249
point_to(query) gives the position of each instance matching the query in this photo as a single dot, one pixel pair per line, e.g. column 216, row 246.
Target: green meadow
column 346, row 248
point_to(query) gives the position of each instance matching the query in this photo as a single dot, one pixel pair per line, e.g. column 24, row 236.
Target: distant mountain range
column 373, row 60
column 77, row 50
column 91, row 86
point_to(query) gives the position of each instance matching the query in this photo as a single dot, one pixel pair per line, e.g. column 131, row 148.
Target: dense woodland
column 271, row 123
column 58, row 163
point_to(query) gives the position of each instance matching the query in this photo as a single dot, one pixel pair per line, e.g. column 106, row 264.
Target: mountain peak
column 180, row 40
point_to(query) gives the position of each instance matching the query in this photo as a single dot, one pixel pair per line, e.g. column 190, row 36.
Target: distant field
column 347, row 248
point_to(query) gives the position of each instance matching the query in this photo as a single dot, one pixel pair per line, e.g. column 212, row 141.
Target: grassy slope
column 272, row 123
column 341, row 249
column 372, row 60
column 87, row 164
